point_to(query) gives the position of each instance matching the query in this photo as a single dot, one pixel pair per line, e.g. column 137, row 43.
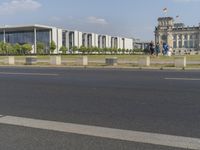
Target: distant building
column 177, row 35
column 34, row 34
column 138, row 44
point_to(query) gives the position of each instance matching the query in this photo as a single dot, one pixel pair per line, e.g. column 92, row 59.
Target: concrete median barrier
column 9, row 60
column 180, row 61
column 144, row 61
column 31, row 60
column 55, row 60
column 83, row 61
column 111, row 61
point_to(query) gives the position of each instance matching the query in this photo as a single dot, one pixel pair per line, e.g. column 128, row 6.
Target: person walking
column 157, row 49
column 165, row 48
column 151, row 46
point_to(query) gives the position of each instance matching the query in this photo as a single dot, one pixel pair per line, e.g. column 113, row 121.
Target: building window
column 43, row 36
column 191, row 44
column 174, row 44
column 174, row 37
column 64, row 38
column 186, row 44
column 180, row 44
column 20, row 37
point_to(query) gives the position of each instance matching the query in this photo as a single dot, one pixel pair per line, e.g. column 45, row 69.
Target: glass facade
column 23, row 37
column 20, row 37
column 64, row 38
column 43, row 36
column 1, row 36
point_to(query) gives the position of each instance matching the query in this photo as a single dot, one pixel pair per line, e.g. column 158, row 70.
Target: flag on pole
column 178, row 19
column 165, row 10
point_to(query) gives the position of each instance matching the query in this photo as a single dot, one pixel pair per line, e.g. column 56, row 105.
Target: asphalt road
column 165, row 102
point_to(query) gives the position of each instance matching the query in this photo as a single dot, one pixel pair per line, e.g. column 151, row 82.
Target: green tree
column 2, row 47
column 52, row 46
column 63, row 49
column 123, row 51
column 96, row 49
column 114, row 50
column 9, row 48
column 119, row 51
column 17, row 48
column 40, row 48
column 110, row 50
column 74, row 49
column 26, row 48
column 105, row 50
column 89, row 50
column 6, row 48
column 83, row 49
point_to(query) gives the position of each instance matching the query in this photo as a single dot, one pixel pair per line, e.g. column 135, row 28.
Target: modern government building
column 33, row 34
column 178, row 36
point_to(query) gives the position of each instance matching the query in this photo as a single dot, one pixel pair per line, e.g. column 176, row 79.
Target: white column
column 73, row 39
column 182, row 38
column 35, row 40
column 177, row 41
column 199, row 40
column 50, row 36
column 108, row 41
column 4, row 35
column 188, row 40
column 193, row 41
column 67, row 40
column 86, row 40
column 144, row 46
column 93, row 39
column 50, row 39
column 101, row 41
column 57, row 41
column 80, row 39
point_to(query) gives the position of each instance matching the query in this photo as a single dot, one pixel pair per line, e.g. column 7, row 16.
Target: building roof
column 165, row 18
column 24, row 27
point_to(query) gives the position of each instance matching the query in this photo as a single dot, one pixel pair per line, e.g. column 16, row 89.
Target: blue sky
column 128, row 18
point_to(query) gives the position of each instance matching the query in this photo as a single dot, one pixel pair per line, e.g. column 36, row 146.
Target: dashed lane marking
column 118, row 134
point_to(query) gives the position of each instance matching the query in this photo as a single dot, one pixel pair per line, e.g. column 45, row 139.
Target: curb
column 99, row 67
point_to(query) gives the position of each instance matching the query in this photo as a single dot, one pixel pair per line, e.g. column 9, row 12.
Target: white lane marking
column 185, row 79
column 30, row 74
column 118, row 134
